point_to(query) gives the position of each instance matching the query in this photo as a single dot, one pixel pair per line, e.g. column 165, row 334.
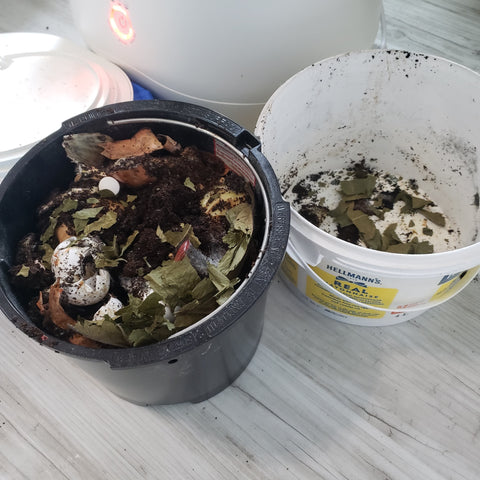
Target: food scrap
column 149, row 238
column 374, row 209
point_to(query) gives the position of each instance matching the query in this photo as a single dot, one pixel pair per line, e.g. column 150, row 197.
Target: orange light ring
column 117, row 12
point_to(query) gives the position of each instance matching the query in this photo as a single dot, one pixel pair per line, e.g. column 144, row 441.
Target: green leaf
column 435, row 217
column 160, row 234
column 365, row 225
column 82, row 217
column 103, row 223
column 390, row 237
column 174, row 281
column 24, row 271
column 50, row 230
column 141, row 313
column 219, row 279
column 178, row 237
column 358, row 187
column 412, row 247
column 224, row 295
column 79, row 225
column 203, row 289
column 129, row 241
column 67, row 205
column 87, row 213
column 109, row 256
column 418, row 202
column 340, row 214
column 85, row 148
column 189, row 184
column 235, row 255
column 47, row 254
column 421, row 247
column 399, row 248
column 104, row 331
column 240, row 218
column 141, row 336
column 194, row 311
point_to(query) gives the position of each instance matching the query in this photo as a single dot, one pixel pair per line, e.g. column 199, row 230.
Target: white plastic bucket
column 419, row 117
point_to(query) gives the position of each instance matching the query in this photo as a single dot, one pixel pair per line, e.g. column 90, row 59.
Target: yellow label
column 290, row 269
column 451, row 284
column 370, row 296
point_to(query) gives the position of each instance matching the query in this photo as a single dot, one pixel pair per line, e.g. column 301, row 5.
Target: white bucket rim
column 383, row 51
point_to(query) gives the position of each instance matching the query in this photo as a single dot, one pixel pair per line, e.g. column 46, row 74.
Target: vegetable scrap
column 371, row 208
column 149, row 238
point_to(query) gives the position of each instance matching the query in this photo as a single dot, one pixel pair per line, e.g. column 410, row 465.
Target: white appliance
column 223, row 54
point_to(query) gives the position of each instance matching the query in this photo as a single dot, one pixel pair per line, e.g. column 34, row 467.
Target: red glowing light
column 121, row 24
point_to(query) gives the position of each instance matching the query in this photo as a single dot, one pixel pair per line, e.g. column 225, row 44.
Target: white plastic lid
column 45, row 80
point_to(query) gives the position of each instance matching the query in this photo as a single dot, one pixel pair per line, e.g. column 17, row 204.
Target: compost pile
column 375, row 209
column 149, row 238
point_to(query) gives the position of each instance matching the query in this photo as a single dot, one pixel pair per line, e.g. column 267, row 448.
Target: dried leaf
column 189, row 184
column 421, row 247
column 135, row 176
column 67, row 205
column 358, row 187
column 129, row 241
column 170, row 144
column 47, row 254
column 194, row 311
column 105, row 331
column 85, row 148
column 418, row 202
column 103, row 223
column 78, row 339
column 55, row 311
column 50, row 230
column 399, row 248
column 340, row 214
column 177, row 238
column 203, row 289
column 24, row 271
column 160, row 234
column 87, row 213
column 240, row 218
column 390, row 237
column 436, row 217
column 235, row 255
column 109, row 256
column 363, row 222
column 143, row 142
column 173, row 281
column 412, row 247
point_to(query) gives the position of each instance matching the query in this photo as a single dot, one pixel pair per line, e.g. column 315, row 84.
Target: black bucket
column 205, row 358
